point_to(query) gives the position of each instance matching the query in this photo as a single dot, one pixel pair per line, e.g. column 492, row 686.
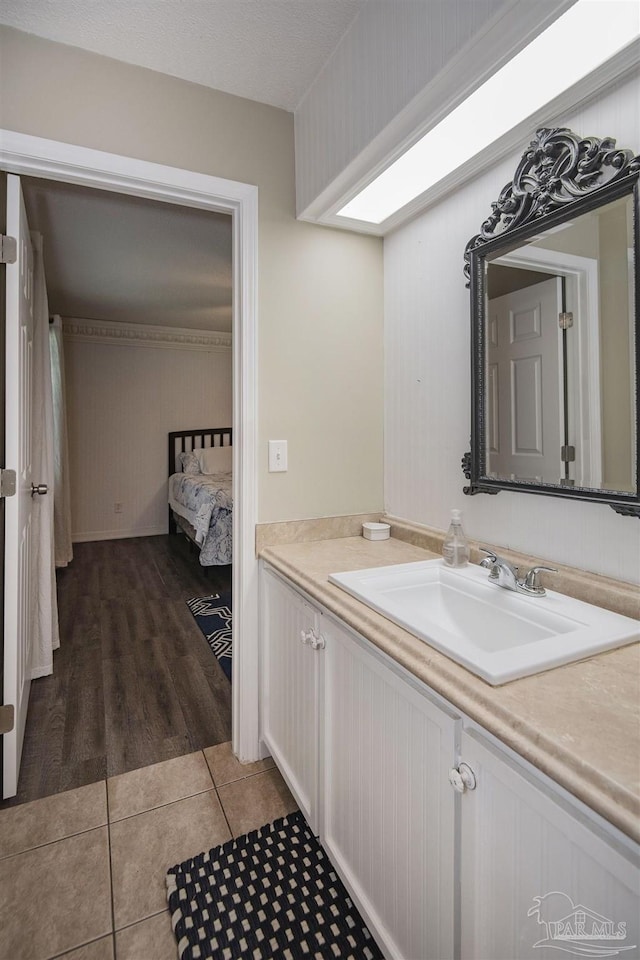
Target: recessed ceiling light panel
column 592, row 31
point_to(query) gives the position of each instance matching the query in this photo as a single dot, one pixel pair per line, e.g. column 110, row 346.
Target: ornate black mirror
column 555, row 302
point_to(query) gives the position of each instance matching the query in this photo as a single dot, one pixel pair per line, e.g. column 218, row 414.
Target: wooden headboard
column 181, row 441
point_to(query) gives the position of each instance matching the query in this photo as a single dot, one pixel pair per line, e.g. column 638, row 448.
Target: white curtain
column 46, row 637
column 62, row 499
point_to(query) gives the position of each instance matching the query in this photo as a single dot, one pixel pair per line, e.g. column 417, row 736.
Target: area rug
column 269, row 894
column 213, row 616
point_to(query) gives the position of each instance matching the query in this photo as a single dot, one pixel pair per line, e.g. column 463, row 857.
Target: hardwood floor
column 134, row 680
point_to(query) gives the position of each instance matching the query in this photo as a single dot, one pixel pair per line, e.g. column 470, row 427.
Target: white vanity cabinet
column 381, row 751
column 289, row 688
column 533, row 866
column 387, row 818
column 439, row 868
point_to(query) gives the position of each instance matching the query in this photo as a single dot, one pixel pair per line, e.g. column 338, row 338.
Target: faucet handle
column 490, row 558
column 531, row 581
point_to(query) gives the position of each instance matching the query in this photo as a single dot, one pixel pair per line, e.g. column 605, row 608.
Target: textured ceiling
column 265, row 50
column 112, row 257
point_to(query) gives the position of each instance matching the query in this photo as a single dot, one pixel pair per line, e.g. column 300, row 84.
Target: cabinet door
column 388, row 809
column 289, row 707
column 537, row 879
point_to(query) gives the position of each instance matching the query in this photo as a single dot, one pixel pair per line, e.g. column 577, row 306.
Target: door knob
column 39, row 488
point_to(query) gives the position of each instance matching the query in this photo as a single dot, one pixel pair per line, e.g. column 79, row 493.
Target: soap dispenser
column 455, row 549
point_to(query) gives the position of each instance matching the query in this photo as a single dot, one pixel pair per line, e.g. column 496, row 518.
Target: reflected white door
column 18, row 547
column 524, row 434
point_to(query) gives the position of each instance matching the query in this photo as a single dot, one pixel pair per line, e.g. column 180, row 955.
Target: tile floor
column 82, row 873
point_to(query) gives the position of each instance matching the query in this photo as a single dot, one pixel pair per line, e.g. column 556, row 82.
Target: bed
column 200, row 491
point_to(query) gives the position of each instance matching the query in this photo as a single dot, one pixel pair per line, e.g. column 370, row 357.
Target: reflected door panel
column 524, row 401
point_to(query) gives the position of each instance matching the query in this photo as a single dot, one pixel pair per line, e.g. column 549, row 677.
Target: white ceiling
column 265, row 50
column 113, row 257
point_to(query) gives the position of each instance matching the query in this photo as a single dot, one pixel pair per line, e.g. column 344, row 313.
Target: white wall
column 320, row 324
column 427, row 395
column 388, row 55
column 398, row 67
column 122, row 402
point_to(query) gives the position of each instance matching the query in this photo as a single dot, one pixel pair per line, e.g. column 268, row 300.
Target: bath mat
column 213, row 616
column 269, row 894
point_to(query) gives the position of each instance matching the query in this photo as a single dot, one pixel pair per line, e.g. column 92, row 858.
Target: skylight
column 592, row 30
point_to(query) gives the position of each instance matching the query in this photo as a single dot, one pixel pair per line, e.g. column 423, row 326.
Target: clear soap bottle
column 455, row 549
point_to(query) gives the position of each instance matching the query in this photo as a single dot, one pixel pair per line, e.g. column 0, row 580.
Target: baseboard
column 90, row 535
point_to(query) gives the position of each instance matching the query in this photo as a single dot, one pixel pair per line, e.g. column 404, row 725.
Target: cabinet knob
column 313, row 639
column 462, row 778
column 317, row 641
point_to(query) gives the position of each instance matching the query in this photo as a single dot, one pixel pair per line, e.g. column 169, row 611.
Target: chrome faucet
column 505, row 574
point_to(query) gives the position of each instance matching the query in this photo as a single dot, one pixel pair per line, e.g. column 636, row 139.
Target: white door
column 524, row 406
column 538, row 881
column 18, row 550
column 388, row 808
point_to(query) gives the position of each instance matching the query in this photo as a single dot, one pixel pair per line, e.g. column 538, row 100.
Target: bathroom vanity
column 465, row 820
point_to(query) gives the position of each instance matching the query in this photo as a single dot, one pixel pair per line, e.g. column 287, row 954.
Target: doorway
column 32, row 156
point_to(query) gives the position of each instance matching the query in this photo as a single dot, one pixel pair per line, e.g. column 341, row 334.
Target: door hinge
column 567, row 454
column 7, row 483
column 7, row 713
column 565, row 320
column 8, row 249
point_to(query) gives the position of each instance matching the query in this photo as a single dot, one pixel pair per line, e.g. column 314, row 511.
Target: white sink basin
column 498, row 634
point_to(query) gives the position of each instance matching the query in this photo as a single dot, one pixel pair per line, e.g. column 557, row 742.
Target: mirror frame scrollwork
column 560, row 176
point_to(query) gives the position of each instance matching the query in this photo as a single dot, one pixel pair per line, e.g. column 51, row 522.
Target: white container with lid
column 376, row 531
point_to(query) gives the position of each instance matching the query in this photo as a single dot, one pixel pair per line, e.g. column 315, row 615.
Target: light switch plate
column 277, row 456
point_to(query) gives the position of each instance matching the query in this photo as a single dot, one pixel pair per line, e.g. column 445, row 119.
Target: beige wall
column 581, row 239
column 122, row 400
column 320, row 291
column 615, row 345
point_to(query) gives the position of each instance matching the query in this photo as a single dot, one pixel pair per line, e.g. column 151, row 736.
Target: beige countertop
column 579, row 724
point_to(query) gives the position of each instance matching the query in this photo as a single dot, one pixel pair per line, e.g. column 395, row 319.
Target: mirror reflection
column 560, row 354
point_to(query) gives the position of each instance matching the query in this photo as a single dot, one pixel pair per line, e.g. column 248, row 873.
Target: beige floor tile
column 144, row 847
column 225, row 767
column 140, row 790
column 98, row 950
column 257, row 800
column 151, row 939
column 62, row 815
column 55, row 897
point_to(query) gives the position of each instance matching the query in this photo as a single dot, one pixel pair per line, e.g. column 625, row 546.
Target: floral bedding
column 206, row 501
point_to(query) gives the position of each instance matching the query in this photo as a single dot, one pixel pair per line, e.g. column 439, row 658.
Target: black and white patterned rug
column 213, row 616
column 269, row 894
